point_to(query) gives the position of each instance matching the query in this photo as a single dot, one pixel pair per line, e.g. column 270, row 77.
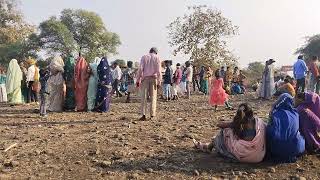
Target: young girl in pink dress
column 218, row 96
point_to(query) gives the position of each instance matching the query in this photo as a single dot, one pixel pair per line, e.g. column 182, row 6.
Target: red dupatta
column 81, row 77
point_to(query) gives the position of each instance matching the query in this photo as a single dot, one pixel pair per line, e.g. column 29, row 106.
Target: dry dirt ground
column 116, row 145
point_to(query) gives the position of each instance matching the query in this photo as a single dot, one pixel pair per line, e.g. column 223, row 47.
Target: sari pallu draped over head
column 93, row 83
column 104, row 86
column 81, row 77
column 13, row 83
column 69, row 103
column 56, row 85
column 284, row 140
column 309, row 112
column 228, row 144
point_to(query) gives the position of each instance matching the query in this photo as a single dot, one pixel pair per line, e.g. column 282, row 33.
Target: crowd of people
column 305, row 77
column 65, row 85
column 293, row 123
column 76, row 85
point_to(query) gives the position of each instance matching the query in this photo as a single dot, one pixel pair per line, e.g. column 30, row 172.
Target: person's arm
column 158, row 71
column 316, row 70
column 294, row 71
column 140, row 71
column 224, row 125
column 304, row 65
column 29, row 74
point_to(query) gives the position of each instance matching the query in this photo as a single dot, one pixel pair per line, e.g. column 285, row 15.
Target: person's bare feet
column 143, row 118
column 200, row 146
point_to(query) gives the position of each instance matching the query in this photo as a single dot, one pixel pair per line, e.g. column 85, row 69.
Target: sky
column 267, row 28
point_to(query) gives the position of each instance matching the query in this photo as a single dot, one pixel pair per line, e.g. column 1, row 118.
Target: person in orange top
column 287, row 87
column 315, row 75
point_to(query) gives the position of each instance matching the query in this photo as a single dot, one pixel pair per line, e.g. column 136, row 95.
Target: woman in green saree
column 69, row 103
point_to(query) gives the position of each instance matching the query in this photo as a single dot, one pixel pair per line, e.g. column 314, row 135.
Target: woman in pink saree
column 81, row 78
column 243, row 140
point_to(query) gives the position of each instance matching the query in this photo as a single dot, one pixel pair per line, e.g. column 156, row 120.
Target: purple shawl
column 309, row 112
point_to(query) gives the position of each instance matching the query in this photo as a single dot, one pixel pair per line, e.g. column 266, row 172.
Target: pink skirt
column 218, row 97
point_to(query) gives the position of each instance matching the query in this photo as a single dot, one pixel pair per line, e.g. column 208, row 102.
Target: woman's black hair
column 217, row 74
column 314, row 58
column 241, row 119
column 301, row 96
column 286, row 80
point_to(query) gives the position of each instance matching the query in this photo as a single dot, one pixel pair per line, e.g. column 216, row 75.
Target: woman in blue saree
column 284, row 140
column 104, row 86
column 93, row 84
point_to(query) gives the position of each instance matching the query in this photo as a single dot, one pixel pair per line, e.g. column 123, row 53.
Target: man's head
column 271, row 61
column 115, row 64
column 167, row 63
column 222, row 68
column 153, row 50
column 228, row 68
column 129, row 64
column 188, row 64
column 300, row 57
column 314, row 58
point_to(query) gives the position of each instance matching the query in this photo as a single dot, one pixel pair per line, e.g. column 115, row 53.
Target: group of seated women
column 293, row 129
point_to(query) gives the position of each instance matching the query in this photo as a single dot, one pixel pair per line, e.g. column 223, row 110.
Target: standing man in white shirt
column 189, row 75
column 32, row 76
column 117, row 74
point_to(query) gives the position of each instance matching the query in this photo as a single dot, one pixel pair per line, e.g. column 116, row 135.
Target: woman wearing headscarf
column 13, row 84
column 104, row 86
column 284, row 140
column 242, row 140
column 308, row 106
column 81, row 77
column 268, row 86
column 93, row 83
column 56, row 85
column 69, row 103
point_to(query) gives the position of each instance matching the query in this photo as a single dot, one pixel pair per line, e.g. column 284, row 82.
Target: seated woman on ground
column 308, row 106
column 284, row 141
column 242, row 140
column 286, row 87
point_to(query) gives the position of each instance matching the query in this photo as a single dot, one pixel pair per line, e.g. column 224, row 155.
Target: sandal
column 200, row 146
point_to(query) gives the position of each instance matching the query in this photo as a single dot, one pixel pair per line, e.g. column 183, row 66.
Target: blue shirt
column 2, row 79
column 300, row 69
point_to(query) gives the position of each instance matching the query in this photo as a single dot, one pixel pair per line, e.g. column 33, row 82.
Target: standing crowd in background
column 293, row 123
column 71, row 84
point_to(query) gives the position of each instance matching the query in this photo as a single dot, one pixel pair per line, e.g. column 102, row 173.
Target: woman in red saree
column 81, row 78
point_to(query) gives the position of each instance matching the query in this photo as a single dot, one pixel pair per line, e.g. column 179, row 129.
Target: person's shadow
column 186, row 161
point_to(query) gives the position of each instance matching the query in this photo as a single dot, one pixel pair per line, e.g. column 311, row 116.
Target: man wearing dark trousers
column 117, row 74
column 300, row 70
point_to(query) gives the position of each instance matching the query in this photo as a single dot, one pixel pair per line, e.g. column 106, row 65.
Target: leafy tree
column 78, row 31
column 56, row 37
column 254, row 71
column 202, row 34
column 121, row 62
column 311, row 47
column 15, row 33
